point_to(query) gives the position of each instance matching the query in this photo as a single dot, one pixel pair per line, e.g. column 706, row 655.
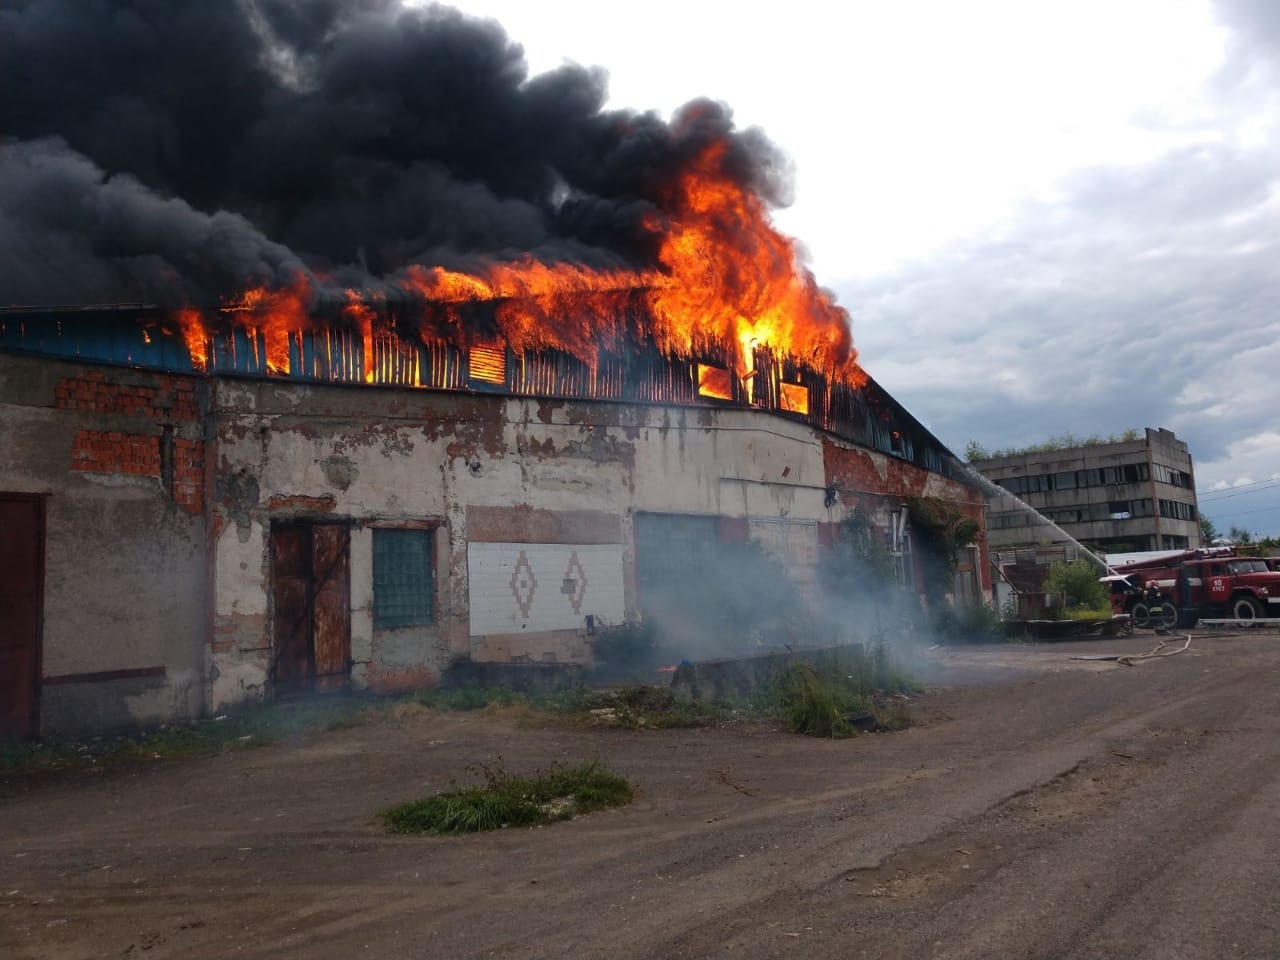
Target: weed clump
column 841, row 696
column 509, row 801
column 971, row 622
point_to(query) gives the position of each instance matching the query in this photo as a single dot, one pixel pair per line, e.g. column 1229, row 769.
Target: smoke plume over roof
column 178, row 150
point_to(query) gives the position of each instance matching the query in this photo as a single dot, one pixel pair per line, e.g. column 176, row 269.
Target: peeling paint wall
column 501, row 478
column 516, row 491
column 163, row 492
column 119, row 456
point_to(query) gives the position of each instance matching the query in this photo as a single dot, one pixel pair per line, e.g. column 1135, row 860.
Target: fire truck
column 1192, row 585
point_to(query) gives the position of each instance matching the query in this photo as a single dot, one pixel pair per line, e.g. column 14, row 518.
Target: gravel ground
column 1040, row 807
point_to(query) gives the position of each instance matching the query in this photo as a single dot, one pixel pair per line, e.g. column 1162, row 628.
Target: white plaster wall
column 239, row 570
column 517, row 587
column 399, row 474
column 729, row 462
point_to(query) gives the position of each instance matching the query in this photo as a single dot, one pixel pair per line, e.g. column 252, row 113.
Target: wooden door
column 311, row 620
column 331, row 607
column 21, row 593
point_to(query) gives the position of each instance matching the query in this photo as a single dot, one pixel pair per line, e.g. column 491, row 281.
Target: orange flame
column 197, row 338
column 737, row 280
column 362, row 315
column 726, row 280
column 276, row 314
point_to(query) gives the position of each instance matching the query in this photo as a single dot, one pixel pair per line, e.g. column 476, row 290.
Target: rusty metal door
column 311, row 591
column 21, row 594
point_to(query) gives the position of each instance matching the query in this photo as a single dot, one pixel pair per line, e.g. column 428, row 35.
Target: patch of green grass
column 1101, row 612
column 509, row 801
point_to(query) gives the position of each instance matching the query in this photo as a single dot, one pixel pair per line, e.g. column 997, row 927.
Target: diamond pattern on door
column 523, row 584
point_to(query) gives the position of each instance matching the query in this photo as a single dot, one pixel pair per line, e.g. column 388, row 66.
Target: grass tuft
column 841, row 696
column 508, row 801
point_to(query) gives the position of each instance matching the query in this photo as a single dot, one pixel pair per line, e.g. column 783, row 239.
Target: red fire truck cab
column 1203, row 584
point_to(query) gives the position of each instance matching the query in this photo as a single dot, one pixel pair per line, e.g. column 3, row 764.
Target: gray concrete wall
column 119, row 456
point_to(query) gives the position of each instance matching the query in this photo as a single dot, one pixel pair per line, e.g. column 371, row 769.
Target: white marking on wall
column 517, row 587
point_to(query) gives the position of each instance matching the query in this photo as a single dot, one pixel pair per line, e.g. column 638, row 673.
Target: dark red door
column 311, row 591
column 21, row 591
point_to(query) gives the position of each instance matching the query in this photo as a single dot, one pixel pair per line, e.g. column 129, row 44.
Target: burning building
column 460, row 365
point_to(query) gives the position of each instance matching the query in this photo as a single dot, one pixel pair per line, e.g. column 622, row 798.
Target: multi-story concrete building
column 1118, row 497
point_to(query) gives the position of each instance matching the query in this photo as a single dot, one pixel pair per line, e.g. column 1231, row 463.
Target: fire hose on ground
column 1133, row 659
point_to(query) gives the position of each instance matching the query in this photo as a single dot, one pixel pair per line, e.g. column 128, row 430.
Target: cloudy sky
column 1044, row 217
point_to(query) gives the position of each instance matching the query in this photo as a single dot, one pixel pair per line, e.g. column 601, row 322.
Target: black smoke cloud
column 182, row 149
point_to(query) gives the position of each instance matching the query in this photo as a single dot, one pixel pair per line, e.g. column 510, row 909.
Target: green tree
column 1078, row 583
column 1208, row 532
column 973, row 450
column 1240, row 535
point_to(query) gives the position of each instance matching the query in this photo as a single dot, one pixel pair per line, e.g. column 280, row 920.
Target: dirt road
column 1046, row 808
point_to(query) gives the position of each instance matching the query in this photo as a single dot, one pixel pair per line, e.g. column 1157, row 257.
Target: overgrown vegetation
column 972, row 622
column 631, row 705
column 942, row 529
column 509, row 801
column 840, row 685
column 859, row 564
column 1078, row 591
column 248, row 727
column 839, row 695
column 1068, row 441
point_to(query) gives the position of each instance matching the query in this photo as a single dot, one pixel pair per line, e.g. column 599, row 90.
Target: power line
column 1242, row 513
column 1274, row 482
column 1251, row 483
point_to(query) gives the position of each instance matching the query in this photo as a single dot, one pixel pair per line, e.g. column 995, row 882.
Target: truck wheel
column 1141, row 614
column 1166, row 615
column 1246, row 608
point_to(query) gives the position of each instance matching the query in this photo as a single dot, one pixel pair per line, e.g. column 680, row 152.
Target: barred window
column 402, row 578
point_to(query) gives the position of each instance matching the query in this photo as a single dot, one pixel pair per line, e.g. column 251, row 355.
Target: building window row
column 1097, row 512
column 1177, row 510
column 1074, row 479
column 1168, row 475
column 1111, row 510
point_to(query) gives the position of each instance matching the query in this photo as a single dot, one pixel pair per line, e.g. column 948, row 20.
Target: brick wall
column 109, row 451
column 167, row 398
column 145, row 443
